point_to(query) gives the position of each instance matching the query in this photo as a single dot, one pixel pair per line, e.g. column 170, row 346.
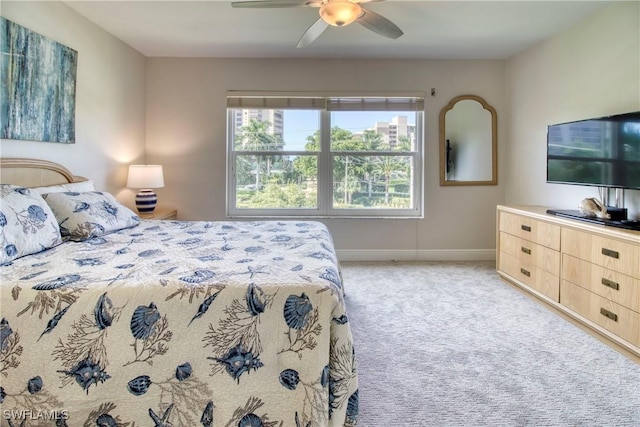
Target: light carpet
column 450, row 344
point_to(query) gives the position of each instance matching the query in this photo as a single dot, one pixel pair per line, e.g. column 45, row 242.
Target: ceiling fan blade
column 312, row 33
column 272, row 4
column 379, row 24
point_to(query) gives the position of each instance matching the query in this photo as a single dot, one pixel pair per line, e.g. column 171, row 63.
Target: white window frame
column 268, row 100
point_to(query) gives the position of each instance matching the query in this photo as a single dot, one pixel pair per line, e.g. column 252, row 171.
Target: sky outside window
column 299, row 124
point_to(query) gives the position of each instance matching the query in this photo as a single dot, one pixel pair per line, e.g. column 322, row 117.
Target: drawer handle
column 525, row 250
column 610, row 253
column 525, row 227
column 611, row 284
column 525, row 272
column 606, row 313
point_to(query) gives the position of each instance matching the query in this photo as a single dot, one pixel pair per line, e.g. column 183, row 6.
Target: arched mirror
column 468, row 142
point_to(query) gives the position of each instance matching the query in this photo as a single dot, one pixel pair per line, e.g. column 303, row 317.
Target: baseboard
column 419, row 255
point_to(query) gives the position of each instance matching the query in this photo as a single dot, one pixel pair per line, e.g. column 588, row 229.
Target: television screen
column 603, row 152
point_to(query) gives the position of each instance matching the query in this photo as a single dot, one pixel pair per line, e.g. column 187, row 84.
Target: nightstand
column 161, row 213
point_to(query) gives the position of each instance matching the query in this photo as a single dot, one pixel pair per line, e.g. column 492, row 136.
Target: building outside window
column 324, row 156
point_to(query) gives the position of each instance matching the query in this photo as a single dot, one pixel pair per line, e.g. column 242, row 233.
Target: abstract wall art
column 38, row 86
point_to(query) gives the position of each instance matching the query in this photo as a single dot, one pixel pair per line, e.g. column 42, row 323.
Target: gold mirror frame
column 494, row 142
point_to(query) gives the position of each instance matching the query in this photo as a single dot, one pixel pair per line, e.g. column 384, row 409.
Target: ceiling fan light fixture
column 340, row 12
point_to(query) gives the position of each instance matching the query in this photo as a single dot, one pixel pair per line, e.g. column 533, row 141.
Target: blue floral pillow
column 83, row 215
column 27, row 224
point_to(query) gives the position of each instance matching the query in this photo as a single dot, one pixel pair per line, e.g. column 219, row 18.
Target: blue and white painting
column 38, row 92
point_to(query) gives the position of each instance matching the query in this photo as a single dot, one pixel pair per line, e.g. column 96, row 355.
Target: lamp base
column 146, row 201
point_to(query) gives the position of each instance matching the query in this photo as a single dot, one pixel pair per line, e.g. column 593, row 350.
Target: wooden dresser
column 588, row 272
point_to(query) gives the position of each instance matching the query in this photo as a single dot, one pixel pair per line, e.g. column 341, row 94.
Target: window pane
column 300, row 154
column 377, row 182
column 373, row 131
column 274, row 130
column 276, row 182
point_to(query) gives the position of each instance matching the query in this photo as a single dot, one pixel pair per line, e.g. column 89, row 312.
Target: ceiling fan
column 332, row 12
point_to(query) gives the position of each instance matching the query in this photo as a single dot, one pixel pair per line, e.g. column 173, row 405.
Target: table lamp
column 144, row 178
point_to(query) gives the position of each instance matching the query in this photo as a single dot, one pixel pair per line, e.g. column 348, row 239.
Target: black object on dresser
column 629, row 224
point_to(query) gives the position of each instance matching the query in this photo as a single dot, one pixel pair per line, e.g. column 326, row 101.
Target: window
column 324, row 156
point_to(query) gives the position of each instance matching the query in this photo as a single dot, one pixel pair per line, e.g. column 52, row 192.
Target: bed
column 165, row 323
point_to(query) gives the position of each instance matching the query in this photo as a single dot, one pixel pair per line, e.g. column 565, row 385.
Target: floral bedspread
column 179, row 323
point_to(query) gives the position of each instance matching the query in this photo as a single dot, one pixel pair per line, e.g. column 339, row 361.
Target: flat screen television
column 602, row 152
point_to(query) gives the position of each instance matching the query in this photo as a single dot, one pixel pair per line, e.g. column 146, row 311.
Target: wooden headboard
column 34, row 172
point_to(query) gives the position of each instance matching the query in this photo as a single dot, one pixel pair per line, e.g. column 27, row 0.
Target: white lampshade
column 145, row 176
column 340, row 12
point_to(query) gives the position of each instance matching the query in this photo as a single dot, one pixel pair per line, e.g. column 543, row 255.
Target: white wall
column 110, row 98
column 590, row 70
column 175, row 108
column 186, row 132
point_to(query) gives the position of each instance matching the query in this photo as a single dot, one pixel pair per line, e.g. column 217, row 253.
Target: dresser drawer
column 615, row 318
column 609, row 253
column 532, row 276
column 531, row 253
column 539, row 232
column 619, row 288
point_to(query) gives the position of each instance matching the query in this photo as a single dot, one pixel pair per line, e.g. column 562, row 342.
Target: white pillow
column 80, row 187
column 83, row 215
column 27, row 224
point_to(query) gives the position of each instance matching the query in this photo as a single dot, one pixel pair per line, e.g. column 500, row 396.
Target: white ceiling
column 432, row 29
